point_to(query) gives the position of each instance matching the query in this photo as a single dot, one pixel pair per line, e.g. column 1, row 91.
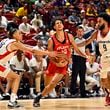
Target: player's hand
column 56, row 54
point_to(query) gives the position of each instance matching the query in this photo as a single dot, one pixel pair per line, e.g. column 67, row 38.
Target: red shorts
column 4, row 71
column 52, row 69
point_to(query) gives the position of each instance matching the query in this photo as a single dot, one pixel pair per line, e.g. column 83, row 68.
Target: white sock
column 66, row 89
column 31, row 90
column 13, row 97
column 54, row 92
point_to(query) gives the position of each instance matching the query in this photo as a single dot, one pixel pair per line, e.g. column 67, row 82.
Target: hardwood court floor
column 61, row 104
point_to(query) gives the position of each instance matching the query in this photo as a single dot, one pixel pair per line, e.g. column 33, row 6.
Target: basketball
column 59, row 61
column 55, row 59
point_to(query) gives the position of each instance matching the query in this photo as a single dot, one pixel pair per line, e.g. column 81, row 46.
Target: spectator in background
column 37, row 22
column 12, row 24
column 93, row 75
column 20, row 64
column 102, row 5
column 38, row 65
column 13, row 3
column 92, row 24
column 39, row 45
column 7, row 8
column 42, row 36
column 91, row 10
column 74, row 19
column 22, row 11
column 108, row 9
column 82, row 14
column 85, row 25
column 3, row 21
column 25, row 27
column 40, row 3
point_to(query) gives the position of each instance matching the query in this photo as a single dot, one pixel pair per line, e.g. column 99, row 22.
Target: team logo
column 1, row 44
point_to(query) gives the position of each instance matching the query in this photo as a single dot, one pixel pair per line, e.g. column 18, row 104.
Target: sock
column 66, row 89
column 54, row 92
column 31, row 90
column 13, row 97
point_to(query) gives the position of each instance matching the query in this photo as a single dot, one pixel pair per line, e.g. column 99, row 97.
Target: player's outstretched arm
column 89, row 40
column 20, row 46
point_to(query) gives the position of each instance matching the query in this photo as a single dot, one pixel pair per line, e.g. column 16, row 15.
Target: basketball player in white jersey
column 8, row 47
column 102, row 35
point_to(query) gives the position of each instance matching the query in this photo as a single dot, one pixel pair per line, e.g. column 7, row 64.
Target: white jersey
column 82, row 49
column 5, row 53
column 104, row 47
column 104, row 44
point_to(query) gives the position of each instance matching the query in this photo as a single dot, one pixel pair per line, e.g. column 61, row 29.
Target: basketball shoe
column 36, row 102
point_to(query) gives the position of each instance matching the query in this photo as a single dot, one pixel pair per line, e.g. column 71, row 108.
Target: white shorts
column 105, row 62
column 4, row 71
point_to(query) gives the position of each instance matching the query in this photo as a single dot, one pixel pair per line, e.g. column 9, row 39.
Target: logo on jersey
column 63, row 49
column 1, row 44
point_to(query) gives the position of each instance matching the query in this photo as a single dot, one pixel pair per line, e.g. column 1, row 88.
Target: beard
column 101, row 27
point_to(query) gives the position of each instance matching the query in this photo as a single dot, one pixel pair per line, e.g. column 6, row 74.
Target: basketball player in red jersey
column 102, row 36
column 8, row 47
column 59, row 42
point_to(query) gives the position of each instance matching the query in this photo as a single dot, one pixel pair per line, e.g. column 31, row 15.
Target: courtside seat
column 9, row 16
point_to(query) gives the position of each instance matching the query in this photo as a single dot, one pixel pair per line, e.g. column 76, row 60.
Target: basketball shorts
column 105, row 63
column 4, row 71
column 53, row 69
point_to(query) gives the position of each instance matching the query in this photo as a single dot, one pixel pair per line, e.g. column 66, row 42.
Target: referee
column 78, row 66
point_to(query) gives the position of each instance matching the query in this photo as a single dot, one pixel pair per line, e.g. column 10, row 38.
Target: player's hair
column 105, row 16
column 54, row 20
column 11, row 32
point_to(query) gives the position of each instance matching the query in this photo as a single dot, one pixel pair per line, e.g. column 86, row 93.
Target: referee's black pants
column 78, row 67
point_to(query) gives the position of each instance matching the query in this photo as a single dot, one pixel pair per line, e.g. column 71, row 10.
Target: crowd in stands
column 33, row 19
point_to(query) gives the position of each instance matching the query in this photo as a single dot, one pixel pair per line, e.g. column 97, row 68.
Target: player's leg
column 15, row 78
column 106, row 85
column 56, row 78
column 1, row 86
column 8, row 87
column 47, row 80
column 30, row 78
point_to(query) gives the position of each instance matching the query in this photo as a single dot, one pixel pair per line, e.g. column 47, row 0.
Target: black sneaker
column 36, row 102
column 84, row 96
column 13, row 104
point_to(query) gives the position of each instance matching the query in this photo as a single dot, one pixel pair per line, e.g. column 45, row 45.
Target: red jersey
column 63, row 47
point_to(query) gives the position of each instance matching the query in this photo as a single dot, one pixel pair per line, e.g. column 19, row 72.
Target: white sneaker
column 67, row 93
column 6, row 94
column 52, row 95
column 1, row 97
column 32, row 96
column 13, row 104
